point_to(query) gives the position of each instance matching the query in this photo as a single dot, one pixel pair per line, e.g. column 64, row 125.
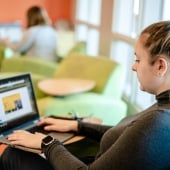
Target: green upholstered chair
column 5, row 52
column 28, row 64
column 104, row 101
column 39, row 69
column 2, row 54
column 35, row 79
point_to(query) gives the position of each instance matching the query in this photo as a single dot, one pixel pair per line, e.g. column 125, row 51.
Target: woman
column 39, row 39
column 138, row 142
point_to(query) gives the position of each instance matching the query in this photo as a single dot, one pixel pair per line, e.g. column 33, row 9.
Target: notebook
column 18, row 108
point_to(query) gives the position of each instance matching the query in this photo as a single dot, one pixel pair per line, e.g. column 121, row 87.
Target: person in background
column 39, row 39
column 137, row 142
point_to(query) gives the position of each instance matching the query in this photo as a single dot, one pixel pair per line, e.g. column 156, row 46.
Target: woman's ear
column 161, row 66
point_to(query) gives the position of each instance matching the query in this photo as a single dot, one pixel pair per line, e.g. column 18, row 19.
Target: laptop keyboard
column 39, row 129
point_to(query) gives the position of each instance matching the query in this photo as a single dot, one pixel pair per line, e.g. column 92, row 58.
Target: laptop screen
column 17, row 101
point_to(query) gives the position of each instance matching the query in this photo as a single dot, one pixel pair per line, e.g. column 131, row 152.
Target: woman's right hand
column 61, row 125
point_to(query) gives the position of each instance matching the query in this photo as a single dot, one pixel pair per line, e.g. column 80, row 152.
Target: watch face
column 47, row 140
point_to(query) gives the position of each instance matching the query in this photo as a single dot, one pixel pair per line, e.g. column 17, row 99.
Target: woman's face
column 146, row 73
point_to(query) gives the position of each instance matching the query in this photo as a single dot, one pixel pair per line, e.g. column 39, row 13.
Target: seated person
column 39, row 39
column 138, row 142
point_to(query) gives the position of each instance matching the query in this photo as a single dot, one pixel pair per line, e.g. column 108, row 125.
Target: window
column 87, row 22
column 165, row 12
column 82, row 10
column 110, row 28
column 121, row 23
column 128, row 21
column 123, row 53
column 92, row 46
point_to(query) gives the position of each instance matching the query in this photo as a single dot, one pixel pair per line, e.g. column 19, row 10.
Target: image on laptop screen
column 17, row 102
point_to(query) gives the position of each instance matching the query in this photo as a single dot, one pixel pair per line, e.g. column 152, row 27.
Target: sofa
column 104, row 101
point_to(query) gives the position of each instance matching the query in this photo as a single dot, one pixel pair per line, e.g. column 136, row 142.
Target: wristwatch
column 47, row 141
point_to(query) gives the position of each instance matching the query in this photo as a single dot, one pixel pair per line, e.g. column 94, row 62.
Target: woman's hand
column 61, row 125
column 25, row 138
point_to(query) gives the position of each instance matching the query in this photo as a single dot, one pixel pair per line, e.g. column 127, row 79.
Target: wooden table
column 65, row 86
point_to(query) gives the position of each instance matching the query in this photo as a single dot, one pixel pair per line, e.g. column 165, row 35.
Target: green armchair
column 104, row 101
column 39, row 69
column 29, row 64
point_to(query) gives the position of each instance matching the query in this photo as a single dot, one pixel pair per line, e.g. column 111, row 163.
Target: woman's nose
column 134, row 67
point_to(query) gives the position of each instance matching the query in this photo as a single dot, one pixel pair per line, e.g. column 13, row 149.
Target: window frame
column 107, row 34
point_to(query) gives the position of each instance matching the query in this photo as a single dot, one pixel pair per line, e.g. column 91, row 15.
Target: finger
column 46, row 121
column 18, row 142
column 19, row 131
column 50, row 127
column 38, row 133
column 42, row 122
column 13, row 137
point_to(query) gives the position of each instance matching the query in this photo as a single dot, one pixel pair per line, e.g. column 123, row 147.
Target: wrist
column 46, row 141
column 48, row 144
column 74, row 126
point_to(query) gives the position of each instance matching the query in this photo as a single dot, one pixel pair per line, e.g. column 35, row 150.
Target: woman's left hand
column 25, row 138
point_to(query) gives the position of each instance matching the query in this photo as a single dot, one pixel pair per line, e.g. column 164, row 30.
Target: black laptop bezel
column 33, row 115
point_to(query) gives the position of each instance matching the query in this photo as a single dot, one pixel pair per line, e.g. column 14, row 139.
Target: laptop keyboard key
column 39, row 129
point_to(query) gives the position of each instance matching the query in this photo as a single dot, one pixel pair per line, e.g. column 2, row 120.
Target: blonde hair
column 157, row 39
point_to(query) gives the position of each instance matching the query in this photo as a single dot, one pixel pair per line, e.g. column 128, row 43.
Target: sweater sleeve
column 139, row 146
column 94, row 131
column 25, row 43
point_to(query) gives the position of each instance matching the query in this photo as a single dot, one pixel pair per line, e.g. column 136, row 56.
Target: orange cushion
column 2, row 148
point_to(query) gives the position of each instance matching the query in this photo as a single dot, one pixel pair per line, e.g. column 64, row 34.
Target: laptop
column 18, row 109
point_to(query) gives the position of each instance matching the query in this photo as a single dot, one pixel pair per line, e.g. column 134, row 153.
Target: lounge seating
column 104, row 101
column 28, row 64
column 39, row 69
